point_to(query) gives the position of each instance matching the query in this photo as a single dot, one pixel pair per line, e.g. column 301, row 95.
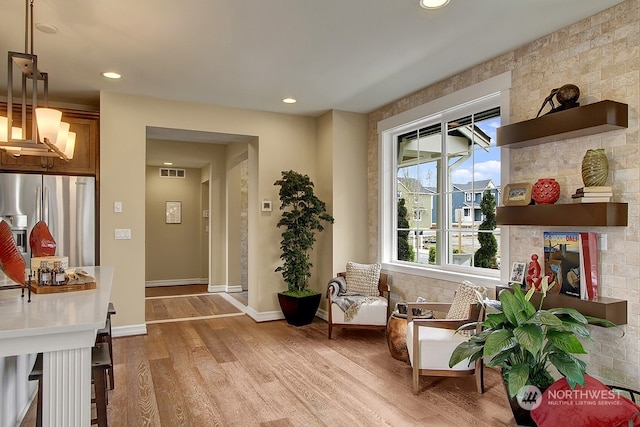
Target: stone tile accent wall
column 600, row 55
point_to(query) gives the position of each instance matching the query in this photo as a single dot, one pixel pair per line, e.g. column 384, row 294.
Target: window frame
column 491, row 92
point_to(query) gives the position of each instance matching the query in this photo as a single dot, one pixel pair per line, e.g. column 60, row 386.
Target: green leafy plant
column 526, row 342
column 485, row 256
column 405, row 250
column 302, row 216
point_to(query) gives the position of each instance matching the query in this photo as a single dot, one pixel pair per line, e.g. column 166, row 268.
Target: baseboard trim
column 323, row 314
column 175, row 282
column 234, row 288
column 129, row 330
column 265, row 316
column 216, row 288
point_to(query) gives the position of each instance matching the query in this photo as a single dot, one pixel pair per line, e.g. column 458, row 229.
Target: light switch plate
column 123, row 234
column 117, row 207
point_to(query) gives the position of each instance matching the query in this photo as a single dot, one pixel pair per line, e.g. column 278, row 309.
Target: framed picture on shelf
column 517, row 272
column 518, row 194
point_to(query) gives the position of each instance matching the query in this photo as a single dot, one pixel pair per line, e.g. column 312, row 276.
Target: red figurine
column 533, row 273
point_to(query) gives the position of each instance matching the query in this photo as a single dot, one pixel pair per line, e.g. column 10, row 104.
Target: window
column 448, row 160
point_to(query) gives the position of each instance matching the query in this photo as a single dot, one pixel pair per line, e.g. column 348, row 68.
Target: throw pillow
column 362, row 279
column 592, row 405
column 465, row 294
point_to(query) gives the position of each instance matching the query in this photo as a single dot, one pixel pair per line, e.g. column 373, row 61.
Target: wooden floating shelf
column 612, row 309
column 588, row 119
column 573, row 214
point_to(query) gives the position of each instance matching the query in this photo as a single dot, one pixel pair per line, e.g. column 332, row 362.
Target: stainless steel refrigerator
column 66, row 203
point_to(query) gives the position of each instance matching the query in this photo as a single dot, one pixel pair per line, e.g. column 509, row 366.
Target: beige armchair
column 364, row 311
column 430, row 342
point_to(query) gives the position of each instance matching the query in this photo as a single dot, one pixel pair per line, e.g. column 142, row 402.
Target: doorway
column 218, row 165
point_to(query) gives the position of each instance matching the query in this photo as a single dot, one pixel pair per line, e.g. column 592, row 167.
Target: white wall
column 282, row 142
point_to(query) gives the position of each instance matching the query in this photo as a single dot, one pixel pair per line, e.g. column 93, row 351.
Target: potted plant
column 525, row 342
column 302, row 216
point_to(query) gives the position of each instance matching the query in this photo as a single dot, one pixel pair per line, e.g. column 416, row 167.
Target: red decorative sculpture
column 533, row 273
column 41, row 241
column 11, row 261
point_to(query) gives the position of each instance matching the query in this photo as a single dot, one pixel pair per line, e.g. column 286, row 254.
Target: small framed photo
column 517, row 272
column 173, row 212
column 518, row 194
column 266, row 206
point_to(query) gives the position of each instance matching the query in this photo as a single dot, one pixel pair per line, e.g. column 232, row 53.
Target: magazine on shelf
column 562, row 261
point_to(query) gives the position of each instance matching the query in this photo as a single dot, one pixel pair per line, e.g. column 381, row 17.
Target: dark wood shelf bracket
column 589, row 119
column 573, row 214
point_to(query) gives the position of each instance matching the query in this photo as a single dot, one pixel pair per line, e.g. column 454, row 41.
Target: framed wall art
column 173, row 212
column 517, row 272
column 518, row 194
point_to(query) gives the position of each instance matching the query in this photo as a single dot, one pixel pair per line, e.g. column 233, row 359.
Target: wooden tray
column 63, row 288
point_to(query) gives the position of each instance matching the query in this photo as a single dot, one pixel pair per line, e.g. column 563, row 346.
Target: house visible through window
column 447, row 166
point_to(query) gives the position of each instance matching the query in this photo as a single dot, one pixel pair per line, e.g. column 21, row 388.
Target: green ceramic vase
column 595, row 168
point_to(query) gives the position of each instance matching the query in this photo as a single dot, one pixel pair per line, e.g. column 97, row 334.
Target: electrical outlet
column 123, row 234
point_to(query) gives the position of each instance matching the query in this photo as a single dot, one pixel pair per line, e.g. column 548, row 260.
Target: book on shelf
column 589, row 264
column 597, row 189
column 590, row 195
column 571, row 260
column 605, row 199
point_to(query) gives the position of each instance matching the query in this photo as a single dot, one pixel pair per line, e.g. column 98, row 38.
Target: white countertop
column 54, row 321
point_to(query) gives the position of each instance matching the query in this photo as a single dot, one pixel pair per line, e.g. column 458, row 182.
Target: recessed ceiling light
column 433, row 4
column 111, row 75
column 168, row 163
column 289, row 101
column 46, row 28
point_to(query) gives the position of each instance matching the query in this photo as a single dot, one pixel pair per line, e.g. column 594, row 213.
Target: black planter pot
column 521, row 416
column 299, row 311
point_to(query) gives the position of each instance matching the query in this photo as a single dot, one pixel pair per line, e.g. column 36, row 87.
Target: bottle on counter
column 58, row 275
column 44, row 274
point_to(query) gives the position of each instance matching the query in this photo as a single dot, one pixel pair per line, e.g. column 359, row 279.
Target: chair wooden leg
column 416, row 380
column 100, row 362
column 330, row 329
column 36, row 375
column 99, row 384
column 39, row 405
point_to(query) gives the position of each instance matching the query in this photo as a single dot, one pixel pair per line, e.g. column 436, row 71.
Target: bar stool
column 100, row 363
column 104, row 335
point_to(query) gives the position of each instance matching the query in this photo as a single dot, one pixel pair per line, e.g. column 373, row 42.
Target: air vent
column 172, row 173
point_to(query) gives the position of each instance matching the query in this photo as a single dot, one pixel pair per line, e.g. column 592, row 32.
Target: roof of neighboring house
column 483, row 184
column 413, row 186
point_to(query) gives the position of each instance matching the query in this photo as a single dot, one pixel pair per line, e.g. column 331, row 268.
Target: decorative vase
column 595, row 168
column 546, row 191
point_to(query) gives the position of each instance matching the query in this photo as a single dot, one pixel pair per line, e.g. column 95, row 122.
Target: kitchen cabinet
column 589, row 119
column 86, row 125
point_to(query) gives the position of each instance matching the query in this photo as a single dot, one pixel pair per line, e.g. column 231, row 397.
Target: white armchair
column 358, row 298
column 430, row 342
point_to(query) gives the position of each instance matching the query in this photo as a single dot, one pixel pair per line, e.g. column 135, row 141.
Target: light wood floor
column 233, row 371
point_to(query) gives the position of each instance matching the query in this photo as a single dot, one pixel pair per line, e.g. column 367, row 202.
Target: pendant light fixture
column 49, row 136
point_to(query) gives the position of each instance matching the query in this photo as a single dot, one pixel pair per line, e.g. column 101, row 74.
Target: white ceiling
column 351, row 55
